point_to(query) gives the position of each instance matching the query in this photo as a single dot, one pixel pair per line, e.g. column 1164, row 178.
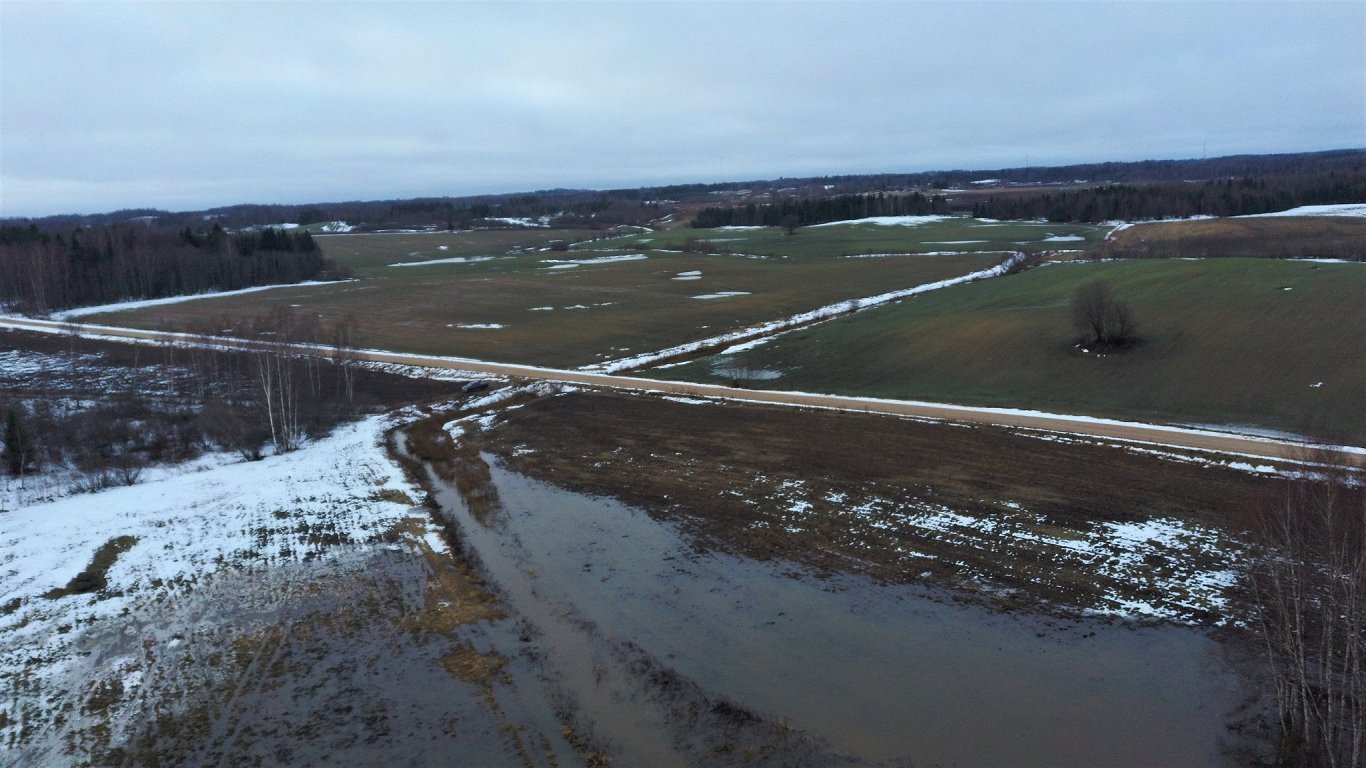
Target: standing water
column 875, row 672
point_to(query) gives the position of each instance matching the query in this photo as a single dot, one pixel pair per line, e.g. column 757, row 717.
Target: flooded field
column 641, row 632
column 314, row 608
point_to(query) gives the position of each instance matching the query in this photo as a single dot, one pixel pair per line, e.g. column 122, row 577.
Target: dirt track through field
column 1145, row 433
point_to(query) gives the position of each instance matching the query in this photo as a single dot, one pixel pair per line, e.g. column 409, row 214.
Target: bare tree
column 1307, row 579
column 1096, row 312
column 344, row 357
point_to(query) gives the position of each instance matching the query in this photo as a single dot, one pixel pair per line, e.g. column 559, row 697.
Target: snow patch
column 1337, row 209
column 722, row 295
column 887, row 221
column 449, row 260
column 565, row 263
column 124, row 306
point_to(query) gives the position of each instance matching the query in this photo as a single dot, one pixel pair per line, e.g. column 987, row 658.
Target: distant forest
column 800, row 212
column 1082, row 192
column 41, row 271
column 1130, row 202
column 1107, row 202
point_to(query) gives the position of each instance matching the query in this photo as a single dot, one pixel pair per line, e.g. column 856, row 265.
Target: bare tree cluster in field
column 1106, row 322
column 272, row 396
column 1307, row 582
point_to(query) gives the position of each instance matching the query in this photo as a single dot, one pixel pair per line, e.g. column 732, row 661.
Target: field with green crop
column 1264, row 343
column 944, row 235
column 509, row 299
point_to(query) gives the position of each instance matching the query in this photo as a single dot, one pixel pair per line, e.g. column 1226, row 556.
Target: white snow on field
column 476, row 326
column 693, row 275
column 320, row 502
column 339, row 227
column 1191, row 584
column 734, row 228
column 986, row 181
column 1063, row 239
column 1338, row 209
column 953, row 242
column 541, row 309
column 776, row 326
column 1119, row 226
column 567, row 263
column 450, row 260
column 887, row 221
column 722, row 295
column 123, row 306
column 543, row 221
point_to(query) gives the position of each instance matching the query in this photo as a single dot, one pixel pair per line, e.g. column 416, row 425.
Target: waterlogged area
column 657, row 653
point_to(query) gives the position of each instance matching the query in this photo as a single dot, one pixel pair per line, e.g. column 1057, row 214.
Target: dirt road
column 1075, row 425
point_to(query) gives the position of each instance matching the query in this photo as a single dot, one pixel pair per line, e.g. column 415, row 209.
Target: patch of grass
column 1249, row 342
column 560, row 317
column 393, row 495
column 92, row 579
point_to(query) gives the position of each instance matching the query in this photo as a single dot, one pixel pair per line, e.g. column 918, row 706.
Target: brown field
column 1277, row 237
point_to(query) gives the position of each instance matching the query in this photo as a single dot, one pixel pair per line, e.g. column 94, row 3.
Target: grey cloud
column 196, row 104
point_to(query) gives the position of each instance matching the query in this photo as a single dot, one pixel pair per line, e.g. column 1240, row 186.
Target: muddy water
column 885, row 674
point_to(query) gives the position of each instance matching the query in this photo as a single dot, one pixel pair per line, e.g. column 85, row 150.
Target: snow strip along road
column 1085, row 426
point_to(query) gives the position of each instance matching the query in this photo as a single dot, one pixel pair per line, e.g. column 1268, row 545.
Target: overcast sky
column 107, row 105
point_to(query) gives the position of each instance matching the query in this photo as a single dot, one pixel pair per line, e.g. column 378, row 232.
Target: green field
column 1271, row 344
column 953, row 234
column 548, row 313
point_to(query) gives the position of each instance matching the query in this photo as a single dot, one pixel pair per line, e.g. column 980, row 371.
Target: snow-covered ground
column 1339, row 209
column 887, row 221
column 450, row 260
column 570, row 263
column 335, row 498
column 127, row 305
column 1158, row 568
column 540, row 221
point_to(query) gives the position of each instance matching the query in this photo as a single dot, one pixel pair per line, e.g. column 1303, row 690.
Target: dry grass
column 92, row 579
column 724, row 473
column 1278, row 237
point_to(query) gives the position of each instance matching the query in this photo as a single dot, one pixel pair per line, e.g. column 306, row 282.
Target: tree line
column 182, row 400
column 807, row 211
column 41, row 271
column 1130, row 202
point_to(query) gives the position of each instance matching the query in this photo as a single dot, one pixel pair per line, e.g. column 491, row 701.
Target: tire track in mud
column 1154, row 434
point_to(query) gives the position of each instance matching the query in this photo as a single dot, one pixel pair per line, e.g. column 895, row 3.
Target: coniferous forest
column 802, row 212
column 1090, row 204
column 41, row 271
